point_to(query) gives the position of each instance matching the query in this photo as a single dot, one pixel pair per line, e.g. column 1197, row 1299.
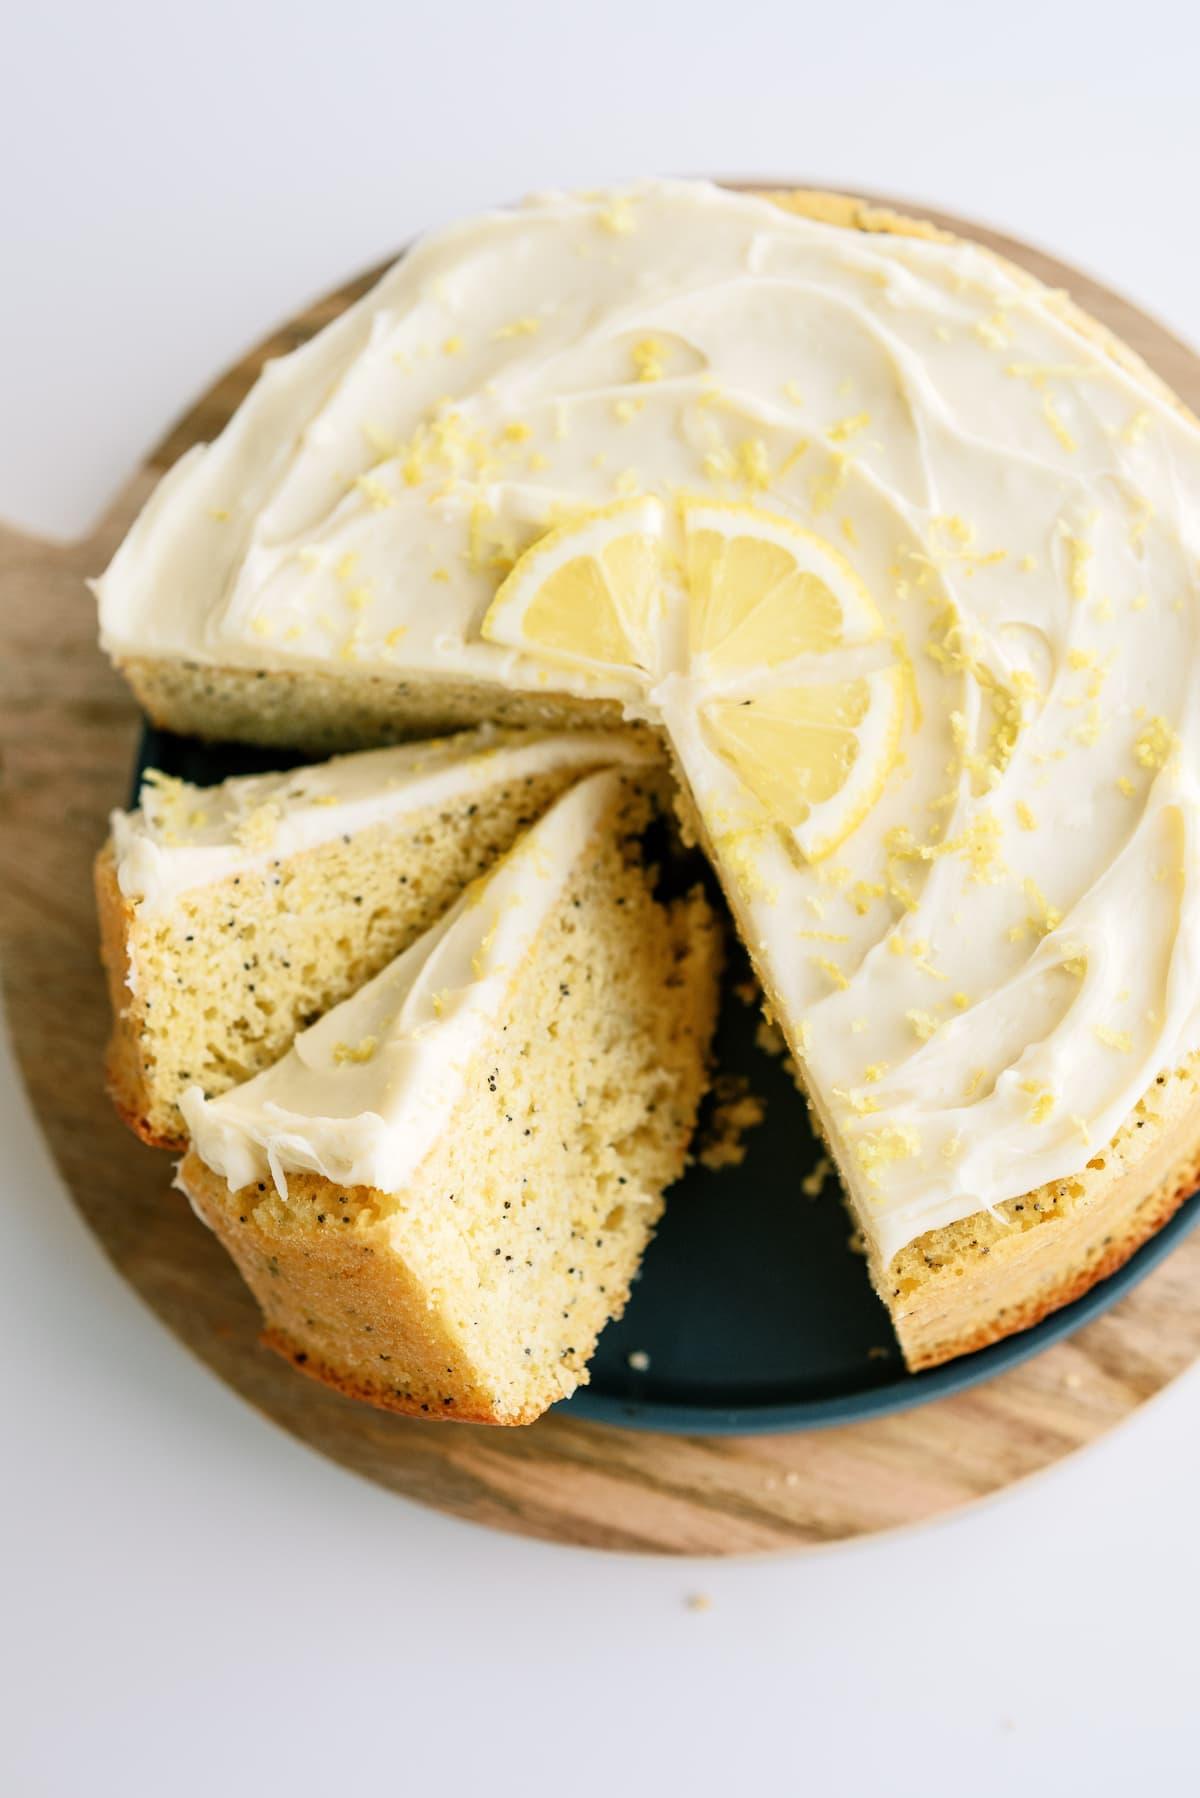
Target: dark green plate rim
column 905, row 1392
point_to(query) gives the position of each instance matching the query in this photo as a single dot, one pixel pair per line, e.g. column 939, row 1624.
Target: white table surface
column 192, row 1603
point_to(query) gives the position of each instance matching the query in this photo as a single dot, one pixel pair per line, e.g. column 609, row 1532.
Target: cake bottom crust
column 383, row 1398
column 123, row 1074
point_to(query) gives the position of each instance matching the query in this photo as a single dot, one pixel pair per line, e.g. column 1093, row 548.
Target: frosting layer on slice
column 183, row 837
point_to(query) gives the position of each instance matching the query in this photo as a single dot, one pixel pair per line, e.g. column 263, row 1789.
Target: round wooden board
column 67, row 735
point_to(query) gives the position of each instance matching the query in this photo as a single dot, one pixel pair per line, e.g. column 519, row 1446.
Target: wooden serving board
column 67, row 734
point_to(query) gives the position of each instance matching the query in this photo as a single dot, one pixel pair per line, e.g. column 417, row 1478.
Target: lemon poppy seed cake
column 233, row 915
column 894, row 548
column 440, row 1195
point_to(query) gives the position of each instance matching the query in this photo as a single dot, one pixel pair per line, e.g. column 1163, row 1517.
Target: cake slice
column 440, row 1195
column 234, row 915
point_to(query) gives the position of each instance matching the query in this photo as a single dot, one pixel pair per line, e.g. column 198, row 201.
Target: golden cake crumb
column 736, row 1111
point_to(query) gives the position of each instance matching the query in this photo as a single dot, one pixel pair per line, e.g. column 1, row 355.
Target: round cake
column 894, row 549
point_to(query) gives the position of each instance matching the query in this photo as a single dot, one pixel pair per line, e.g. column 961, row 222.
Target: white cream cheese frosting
column 993, row 968
column 363, row 1095
column 182, row 837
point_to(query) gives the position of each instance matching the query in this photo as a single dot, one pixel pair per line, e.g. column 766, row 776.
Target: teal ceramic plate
column 752, row 1313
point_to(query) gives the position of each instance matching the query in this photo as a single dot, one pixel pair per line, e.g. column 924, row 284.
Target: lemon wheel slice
column 600, row 594
column 589, row 595
column 763, row 591
column 815, row 757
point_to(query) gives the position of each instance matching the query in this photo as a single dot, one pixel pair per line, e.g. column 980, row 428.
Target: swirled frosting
column 363, row 1095
column 998, row 962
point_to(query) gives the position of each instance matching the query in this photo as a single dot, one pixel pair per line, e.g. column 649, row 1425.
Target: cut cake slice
column 440, row 1195
column 232, row 916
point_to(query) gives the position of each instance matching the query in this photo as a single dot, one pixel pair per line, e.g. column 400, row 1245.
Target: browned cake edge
column 124, row 1069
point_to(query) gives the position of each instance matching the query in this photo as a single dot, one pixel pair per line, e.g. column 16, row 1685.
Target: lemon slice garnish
column 762, row 591
column 812, row 750
column 589, row 595
column 815, row 757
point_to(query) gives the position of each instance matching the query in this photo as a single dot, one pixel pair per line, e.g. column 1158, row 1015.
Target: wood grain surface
column 67, row 734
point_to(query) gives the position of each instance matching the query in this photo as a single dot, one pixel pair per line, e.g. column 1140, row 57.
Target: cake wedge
column 232, row 916
column 440, row 1195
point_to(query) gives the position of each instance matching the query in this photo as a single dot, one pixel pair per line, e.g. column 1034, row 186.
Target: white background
column 191, row 1602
